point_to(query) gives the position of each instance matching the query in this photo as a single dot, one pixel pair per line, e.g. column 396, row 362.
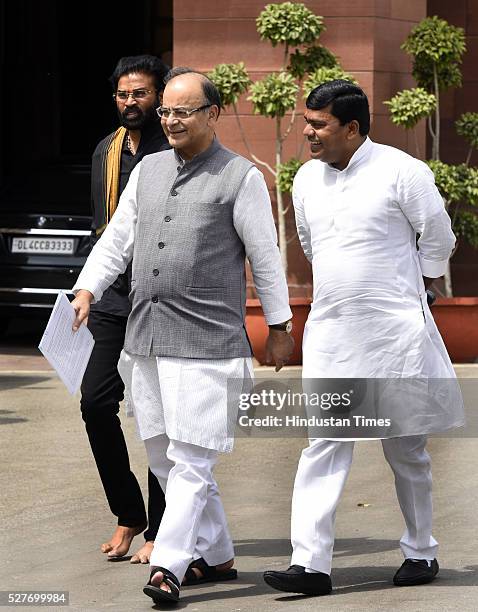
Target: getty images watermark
column 323, row 402
column 352, row 408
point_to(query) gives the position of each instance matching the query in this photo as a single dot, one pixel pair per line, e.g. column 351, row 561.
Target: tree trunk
column 280, row 202
column 436, row 139
column 436, row 155
column 468, row 157
column 417, row 146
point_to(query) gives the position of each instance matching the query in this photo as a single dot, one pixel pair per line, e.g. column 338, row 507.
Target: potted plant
column 305, row 65
column 437, row 48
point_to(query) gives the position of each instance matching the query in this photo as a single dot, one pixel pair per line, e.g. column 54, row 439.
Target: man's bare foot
column 219, row 568
column 144, row 553
column 119, row 544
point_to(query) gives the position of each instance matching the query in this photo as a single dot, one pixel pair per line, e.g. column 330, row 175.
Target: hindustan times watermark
column 357, row 420
column 353, row 408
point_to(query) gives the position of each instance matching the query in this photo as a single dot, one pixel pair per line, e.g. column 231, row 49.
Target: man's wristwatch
column 285, row 327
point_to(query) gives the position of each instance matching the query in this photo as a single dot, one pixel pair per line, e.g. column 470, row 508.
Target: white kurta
column 190, row 400
column 186, row 398
column 358, row 227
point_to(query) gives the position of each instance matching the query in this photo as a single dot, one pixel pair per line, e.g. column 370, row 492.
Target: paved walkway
column 54, row 516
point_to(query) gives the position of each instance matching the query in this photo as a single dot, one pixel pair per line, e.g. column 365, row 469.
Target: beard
column 137, row 118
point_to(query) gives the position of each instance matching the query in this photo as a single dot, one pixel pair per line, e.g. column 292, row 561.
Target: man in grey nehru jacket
column 187, row 219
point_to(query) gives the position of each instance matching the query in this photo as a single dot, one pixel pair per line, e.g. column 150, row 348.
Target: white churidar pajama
column 180, row 404
column 321, row 476
column 184, row 471
column 180, row 411
column 369, row 319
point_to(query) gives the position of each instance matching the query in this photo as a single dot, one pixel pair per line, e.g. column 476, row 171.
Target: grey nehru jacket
column 188, row 287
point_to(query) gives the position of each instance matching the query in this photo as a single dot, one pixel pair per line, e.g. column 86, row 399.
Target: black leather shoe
column 297, row 580
column 412, row 572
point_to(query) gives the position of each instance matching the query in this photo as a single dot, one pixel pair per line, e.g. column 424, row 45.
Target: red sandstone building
column 55, row 60
column 366, row 35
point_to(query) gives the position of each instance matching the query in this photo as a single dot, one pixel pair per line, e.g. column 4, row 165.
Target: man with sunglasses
column 137, row 88
column 188, row 218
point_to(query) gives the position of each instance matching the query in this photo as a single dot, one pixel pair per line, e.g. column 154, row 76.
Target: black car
column 44, row 239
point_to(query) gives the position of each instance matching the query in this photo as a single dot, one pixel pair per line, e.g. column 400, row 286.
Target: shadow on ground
column 345, row 580
column 11, row 381
column 6, row 419
column 8, row 382
column 282, row 548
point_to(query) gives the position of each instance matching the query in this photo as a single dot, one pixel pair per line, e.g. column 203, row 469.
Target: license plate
column 44, row 244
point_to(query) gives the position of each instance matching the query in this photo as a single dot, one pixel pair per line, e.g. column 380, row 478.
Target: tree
column 409, row 106
column 467, row 126
column 437, row 49
column 305, row 65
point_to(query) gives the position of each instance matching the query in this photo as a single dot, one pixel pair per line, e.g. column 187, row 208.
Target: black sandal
column 208, row 573
column 158, row 595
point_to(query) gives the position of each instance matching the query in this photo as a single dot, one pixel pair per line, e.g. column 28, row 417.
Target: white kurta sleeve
column 114, row 250
column 254, row 224
column 423, row 205
column 303, row 229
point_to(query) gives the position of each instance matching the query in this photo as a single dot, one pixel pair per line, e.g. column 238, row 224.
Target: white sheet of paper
column 67, row 351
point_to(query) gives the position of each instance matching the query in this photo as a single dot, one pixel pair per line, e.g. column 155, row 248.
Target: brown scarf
column 111, row 173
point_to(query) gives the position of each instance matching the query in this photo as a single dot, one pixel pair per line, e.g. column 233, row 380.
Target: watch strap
column 285, row 327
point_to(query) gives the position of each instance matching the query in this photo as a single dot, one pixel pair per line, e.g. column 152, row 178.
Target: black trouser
column 101, row 392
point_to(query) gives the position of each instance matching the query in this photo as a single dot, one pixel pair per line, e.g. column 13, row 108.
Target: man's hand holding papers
column 81, row 305
column 67, row 348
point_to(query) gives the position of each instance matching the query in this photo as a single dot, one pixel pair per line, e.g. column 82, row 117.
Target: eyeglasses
column 136, row 94
column 180, row 113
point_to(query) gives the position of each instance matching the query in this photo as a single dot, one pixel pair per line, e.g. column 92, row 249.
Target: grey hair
column 210, row 91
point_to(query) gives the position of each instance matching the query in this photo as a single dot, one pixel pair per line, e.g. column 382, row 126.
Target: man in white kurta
column 187, row 233
column 359, row 207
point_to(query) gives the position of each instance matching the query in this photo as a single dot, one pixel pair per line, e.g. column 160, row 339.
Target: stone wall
column 366, row 35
